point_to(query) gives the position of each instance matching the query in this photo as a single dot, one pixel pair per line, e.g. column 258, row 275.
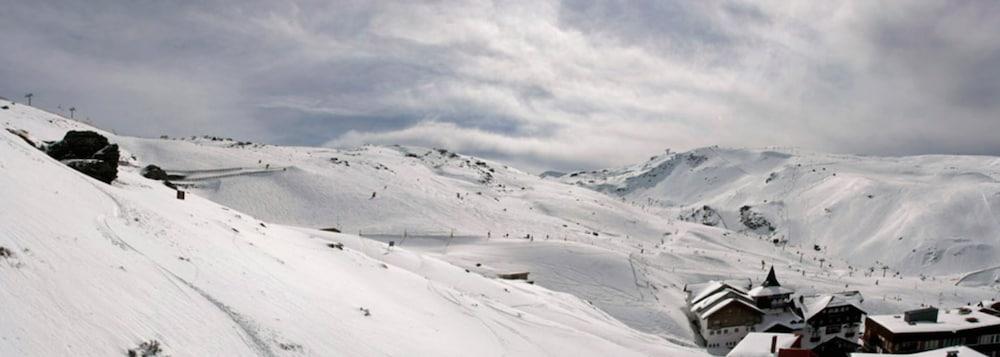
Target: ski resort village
column 770, row 320
column 484, row 178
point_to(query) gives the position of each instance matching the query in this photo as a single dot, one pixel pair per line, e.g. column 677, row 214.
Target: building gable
column 732, row 313
column 847, row 313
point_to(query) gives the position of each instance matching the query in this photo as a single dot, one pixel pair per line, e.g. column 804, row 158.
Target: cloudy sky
column 542, row 84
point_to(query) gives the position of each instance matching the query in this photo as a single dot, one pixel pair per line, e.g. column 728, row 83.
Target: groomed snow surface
column 606, row 250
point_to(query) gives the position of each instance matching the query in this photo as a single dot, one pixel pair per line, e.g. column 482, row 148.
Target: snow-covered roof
column 769, row 291
column 947, row 320
column 717, row 297
column 725, row 303
column 758, row 344
column 990, row 304
column 787, row 319
column 941, row 352
column 813, row 304
column 704, row 290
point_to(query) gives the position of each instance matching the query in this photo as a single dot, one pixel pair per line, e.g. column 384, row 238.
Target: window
column 907, row 346
column 932, row 344
column 989, row 339
column 833, row 328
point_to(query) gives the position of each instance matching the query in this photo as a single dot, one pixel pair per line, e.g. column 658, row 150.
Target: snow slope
column 477, row 214
column 917, row 215
column 428, row 192
column 416, row 190
column 97, row 269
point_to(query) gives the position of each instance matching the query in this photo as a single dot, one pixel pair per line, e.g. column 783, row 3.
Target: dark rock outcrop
column 87, row 152
column 97, row 169
column 154, row 172
column 705, row 215
column 77, row 145
column 755, row 221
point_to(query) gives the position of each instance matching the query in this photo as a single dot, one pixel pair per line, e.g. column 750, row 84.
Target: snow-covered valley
column 240, row 266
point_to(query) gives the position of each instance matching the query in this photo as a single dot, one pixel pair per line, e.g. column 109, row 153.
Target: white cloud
column 545, row 83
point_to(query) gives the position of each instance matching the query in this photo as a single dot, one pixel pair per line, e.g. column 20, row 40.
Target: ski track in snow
column 245, row 325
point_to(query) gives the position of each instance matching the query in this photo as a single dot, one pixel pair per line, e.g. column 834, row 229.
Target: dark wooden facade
column 734, row 314
column 780, row 301
column 836, row 347
column 833, row 318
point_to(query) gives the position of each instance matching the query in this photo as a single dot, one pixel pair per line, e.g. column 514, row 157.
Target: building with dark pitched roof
column 723, row 314
column 832, row 322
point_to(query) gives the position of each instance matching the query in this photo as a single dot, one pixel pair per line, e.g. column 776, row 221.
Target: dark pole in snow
column 71, row 110
column 29, row 95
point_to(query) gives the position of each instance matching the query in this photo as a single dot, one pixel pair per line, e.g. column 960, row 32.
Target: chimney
column 928, row 314
column 774, row 344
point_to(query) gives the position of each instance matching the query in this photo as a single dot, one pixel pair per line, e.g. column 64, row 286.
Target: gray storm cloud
column 542, row 84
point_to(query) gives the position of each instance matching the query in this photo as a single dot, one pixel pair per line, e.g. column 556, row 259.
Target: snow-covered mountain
column 610, row 252
column 627, row 257
column 919, row 215
column 95, row 269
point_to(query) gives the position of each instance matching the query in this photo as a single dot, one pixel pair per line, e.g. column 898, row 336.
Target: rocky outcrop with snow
column 87, row 152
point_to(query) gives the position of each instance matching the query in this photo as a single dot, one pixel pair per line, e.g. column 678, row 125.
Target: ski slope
column 609, row 239
column 98, row 269
column 437, row 194
column 625, row 255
